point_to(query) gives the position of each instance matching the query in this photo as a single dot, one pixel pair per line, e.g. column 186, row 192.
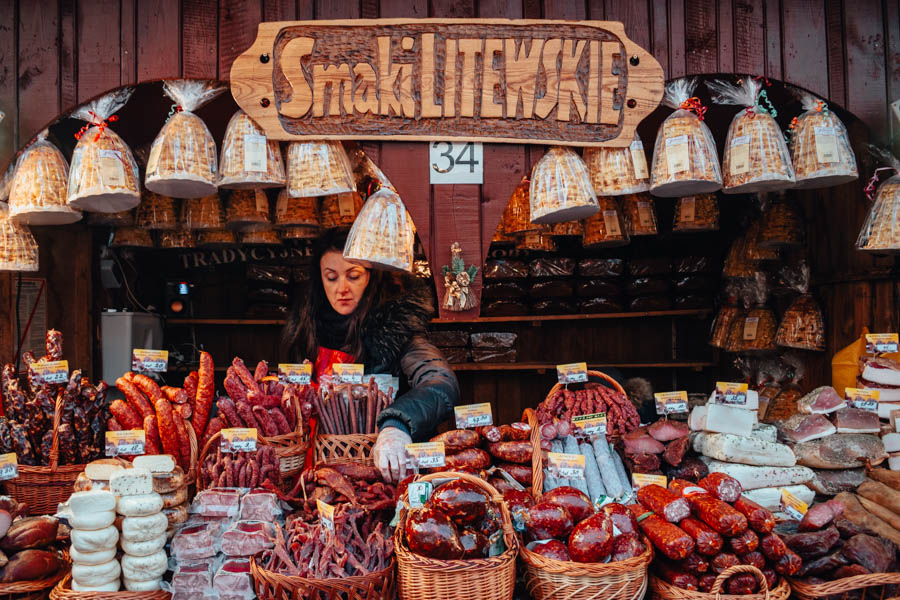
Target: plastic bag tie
column 176, row 108
column 873, row 182
column 693, row 104
column 101, row 124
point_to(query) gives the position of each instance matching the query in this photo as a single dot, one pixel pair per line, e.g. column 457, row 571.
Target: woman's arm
column 433, row 394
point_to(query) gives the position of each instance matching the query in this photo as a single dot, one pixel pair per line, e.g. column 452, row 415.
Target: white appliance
column 120, row 332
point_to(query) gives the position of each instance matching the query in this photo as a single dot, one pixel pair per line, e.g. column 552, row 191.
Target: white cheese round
column 131, row 482
column 96, row 574
column 144, row 568
column 143, row 586
column 92, row 521
column 95, row 541
column 144, row 548
column 112, row 586
column 139, row 506
column 92, row 501
column 176, row 515
column 175, row 498
column 144, row 529
column 91, row 558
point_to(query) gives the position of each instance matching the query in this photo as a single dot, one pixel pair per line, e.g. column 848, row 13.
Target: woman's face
column 344, row 282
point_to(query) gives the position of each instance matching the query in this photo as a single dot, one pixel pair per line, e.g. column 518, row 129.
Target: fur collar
column 388, row 329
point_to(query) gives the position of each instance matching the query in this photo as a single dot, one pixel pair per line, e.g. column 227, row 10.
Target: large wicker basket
column 26, row 590
column 274, row 586
column 43, row 488
column 422, row 578
column 64, row 591
column 355, row 447
column 290, row 447
column 549, row 579
column 211, row 445
column 663, row 590
column 875, row 586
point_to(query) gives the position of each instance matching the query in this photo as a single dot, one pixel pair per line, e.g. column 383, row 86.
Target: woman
column 353, row 314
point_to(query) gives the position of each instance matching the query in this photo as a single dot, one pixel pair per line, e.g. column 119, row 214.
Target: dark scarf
column 331, row 328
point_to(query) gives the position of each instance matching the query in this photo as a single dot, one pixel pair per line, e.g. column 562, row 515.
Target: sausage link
column 280, row 420
column 184, row 442
column 151, row 435
column 206, row 389
column 168, row 434
column 266, row 422
column 125, row 414
column 134, row 397
column 228, row 411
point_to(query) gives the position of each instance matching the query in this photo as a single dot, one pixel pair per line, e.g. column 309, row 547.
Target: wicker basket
column 26, row 590
column 43, row 488
column 274, row 586
column 423, row 578
column 549, row 579
column 211, row 444
column 290, row 448
column 64, row 591
column 842, row 588
column 666, row 591
column 356, row 447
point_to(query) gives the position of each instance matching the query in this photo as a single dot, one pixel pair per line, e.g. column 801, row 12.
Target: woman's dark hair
column 298, row 338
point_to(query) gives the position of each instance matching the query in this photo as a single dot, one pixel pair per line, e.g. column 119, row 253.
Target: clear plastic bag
column 517, row 214
column 318, row 169
column 505, row 269
column 247, row 210
column 820, row 146
column 177, row 238
column 782, row 225
column 803, row 325
column 881, row 231
column 537, row 241
column 696, row 213
column 722, row 326
column 131, row 237
column 561, row 188
column 103, row 175
column 551, row 267
column 216, row 238
column 754, row 251
column 601, row 267
column 758, row 329
column 37, row 195
column 607, row 227
column 267, row 237
column 640, row 214
column 203, row 213
column 618, row 171
column 296, row 211
column 18, row 248
column 156, row 212
column 567, row 229
column 339, row 211
column 784, row 406
column 685, row 160
column 737, row 264
column 301, row 232
column 249, row 159
column 383, row 236
column 182, row 161
column 756, row 156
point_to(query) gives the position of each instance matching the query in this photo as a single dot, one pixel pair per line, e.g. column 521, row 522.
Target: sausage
column 244, row 374
column 492, row 433
column 514, row 452
column 460, row 500
column 212, row 428
column 622, row 518
column 789, row 564
column 695, row 563
column 125, row 415
column 722, row 486
column 168, row 434
column 741, row 584
column 771, row 577
column 265, row 420
column 190, row 386
column 576, row 503
column 431, row 533
column 712, row 511
column 705, row 583
column 773, row 546
column 134, row 397
column 592, row 539
column 666, row 537
column 673, row 507
column 472, row 458
column 755, row 559
column 746, row 542
column 554, row 549
column 457, row 440
column 247, row 415
column 113, row 425
column 184, row 442
column 148, row 387
column 234, row 389
column 676, row 576
column 262, row 369
column 723, row 560
column 708, row 542
column 206, row 388
column 545, row 520
column 521, row 473
column 151, row 435
column 760, row 519
column 281, row 421
column 627, row 545
column 517, row 432
column 228, row 412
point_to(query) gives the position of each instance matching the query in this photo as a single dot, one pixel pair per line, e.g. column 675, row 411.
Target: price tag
column 882, row 343
column 591, row 424
column 9, row 466
column 346, row 205
column 751, row 325
column 153, row 160
column 639, row 160
column 112, row 171
column 386, row 383
column 645, row 214
column 611, row 220
column 55, row 371
column 739, row 157
column 792, row 505
column 864, row 399
column 326, row 514
column 677, row 156
column 456, row 162
column 473, row 415
column 255, row 152
column 565, row 466
column 348, row 372
column 262, row 203
column 281, row 205
column 426, row 454
column 639, row 480
column 572, row 373
column 295, row 373
column 731, row 393
column 238, row 439
column 688, row 209
column 532, row 238
column 129, row 442
column 418, row 493
column 156, row 361
column 826, row 144
column 668, row 403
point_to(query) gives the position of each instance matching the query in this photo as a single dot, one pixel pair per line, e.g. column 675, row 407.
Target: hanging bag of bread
column 784, row 406
column 131, row 237
column 177, row 239
column 696, row 213
column 103, row 176
column 607, row 227
column 383, row 236
column 517, row 214
column 156, row 212
column 38, row 192
column 318, row 169
column 247, row 210
column 18, row 249
column 290, row 212
column 203, row 213
column 737, row 263
column 726, row 316
column 768, row 384
column 755, row 252
column 182, row 161
column 802, row 325
column 339, row 210
column 756, row 158
column 216, row 238
column 567, row 229
column 759, row 327
column 881, row 231
column 735, row 340
column 268, row 237
column 618, row 171
column 820, row 146
column 685, row 160
column 782, row 224
column 249, row 160
column 536, row 241
column 561, row 188
column 640, row 214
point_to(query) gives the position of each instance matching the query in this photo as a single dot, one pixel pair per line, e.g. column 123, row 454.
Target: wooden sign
column 580, row 83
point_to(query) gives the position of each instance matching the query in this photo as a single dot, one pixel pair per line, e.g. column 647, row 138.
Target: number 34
column 468, row 149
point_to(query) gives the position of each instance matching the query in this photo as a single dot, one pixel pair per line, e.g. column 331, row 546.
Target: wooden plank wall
column 55, row 54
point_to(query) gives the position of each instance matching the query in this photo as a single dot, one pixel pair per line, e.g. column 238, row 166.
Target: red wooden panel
column 68, row 86
column 8, row 129
column 596, row 10
column 805, row 54
column 279, row 10
column 305, row 9
column 329, row 9
column 510, row 9
column 38, row 67
column 406, row 165
column 676, row 39
column 98, row 47
column 634, row 14
column 659, row 27
column 725, row 33
column 532, row 9
column 128, row 43
column 835, row 40
column 700, row 37
column 369, row 9
column 773, row 38
column 864, row 30
column 749, row 45
column 238, row 21
column 394, row 9
column 158, row 39
column 884, row 307
column 564, row 9
column 506, row 165
column 199, row 33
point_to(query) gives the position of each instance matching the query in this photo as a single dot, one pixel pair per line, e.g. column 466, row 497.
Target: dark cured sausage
column 676, row 576
column 722, row 486
column 744, row 543
column 472, row 458
column 514, row 452
column 761, row 519
column 457, row 440
column 664, row 502
column 773, row 546
column 667, row 538
column 168, row 434
column 184, row 442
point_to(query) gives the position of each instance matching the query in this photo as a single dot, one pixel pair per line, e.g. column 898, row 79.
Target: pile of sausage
column 700, row 530
column 241, row 469
column 26, row 428
column 621, row 415
column 341, row 483
column 258, row 400
column 507, row 447
column 346, row 408
column 27, row 544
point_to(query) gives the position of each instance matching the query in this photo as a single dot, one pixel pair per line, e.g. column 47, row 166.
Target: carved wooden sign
column 580, row 83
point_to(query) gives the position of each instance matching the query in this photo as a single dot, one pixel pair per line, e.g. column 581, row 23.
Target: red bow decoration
column 763, row 78
column 871, row 186
column 693, row 104
column 100, row 124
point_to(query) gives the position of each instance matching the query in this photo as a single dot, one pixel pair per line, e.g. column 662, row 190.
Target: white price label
column 611, row 220
column 677, row 156
column 739, row 157
column 826, row 145
column 129, row 442
column 144, row 360
column 255, row 152
column 426, row 455
column 687, row 208
column 456, row 162
column 565, row 466
column 639, row 160
column 296, row 373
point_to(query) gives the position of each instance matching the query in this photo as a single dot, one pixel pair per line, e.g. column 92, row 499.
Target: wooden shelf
column 696, row 313
column 191, row 321
column 540, row 367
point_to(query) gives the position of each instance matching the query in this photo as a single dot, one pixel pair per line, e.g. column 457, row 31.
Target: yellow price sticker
column 640, row 480
column 426, row 455
column 144, row 360
column 51, row 372
column 668, row 403
column 473, row 415
column 864, row 399
column 297, row 373
column 9, row 466
column 593, row 424
column 572, row 373
column 348, row 372
column 792, row 505
column 326, row 514
column 882, row 343
column 731, row 393
column 565, row 466
column 129, row 442
column 238, row 439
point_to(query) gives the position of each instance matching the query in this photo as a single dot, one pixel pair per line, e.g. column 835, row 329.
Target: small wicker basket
column 64, row 591
column 275, row 586
column 37, row 589
column 210, row 445
column 663, row 590
column 844, row 588
column 355, row 447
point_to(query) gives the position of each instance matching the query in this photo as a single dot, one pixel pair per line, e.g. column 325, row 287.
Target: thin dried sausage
column 184, row 442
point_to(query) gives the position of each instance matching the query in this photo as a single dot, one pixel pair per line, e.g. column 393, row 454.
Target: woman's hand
column 389, row 453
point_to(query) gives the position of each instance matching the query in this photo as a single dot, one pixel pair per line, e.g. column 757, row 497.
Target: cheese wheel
column 102, row 469
column 144, row 568
column 175, row 498
column 112, row 586
column 177, row 514
column 95, row 541
column 143, row 548
column 131, row 482
column 91, row 558
column 144, row 529
column 155, row 463
column 92, row 521
column 96, row 574
column 85, row 484
column 139, row 506
column 142, row 586
column 92, row 501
